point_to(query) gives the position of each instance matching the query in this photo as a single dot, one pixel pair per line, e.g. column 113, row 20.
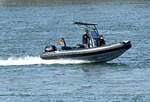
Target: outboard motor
column 50, row 48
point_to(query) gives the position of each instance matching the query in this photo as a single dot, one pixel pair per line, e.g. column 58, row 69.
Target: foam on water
column 29, row 60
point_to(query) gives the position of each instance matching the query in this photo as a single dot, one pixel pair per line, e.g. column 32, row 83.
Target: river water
column 25, row 30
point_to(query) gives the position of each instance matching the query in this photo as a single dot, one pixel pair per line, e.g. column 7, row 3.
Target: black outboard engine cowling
column 50, row 48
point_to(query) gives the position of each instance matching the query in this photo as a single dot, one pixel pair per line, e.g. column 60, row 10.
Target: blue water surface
column 25, row 30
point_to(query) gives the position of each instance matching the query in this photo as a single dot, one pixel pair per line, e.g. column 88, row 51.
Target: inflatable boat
column 93, row 53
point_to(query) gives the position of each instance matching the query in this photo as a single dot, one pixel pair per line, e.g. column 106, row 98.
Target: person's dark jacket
column 85, row 39
column 100, row 42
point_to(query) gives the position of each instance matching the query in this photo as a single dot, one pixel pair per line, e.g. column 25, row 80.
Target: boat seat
column 66, row 48
column 80, row 46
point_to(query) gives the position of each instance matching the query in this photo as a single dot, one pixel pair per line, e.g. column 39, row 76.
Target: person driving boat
column 86, row 39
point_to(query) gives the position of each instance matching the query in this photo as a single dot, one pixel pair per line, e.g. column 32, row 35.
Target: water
column 25, row 30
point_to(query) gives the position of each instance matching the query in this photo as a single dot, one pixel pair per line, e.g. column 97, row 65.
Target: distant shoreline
column 64, row 2
column 45, row 2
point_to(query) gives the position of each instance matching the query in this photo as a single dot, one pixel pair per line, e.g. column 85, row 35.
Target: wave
column 29, row 60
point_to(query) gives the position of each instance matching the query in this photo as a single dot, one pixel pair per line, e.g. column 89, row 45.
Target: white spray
column 29, row 60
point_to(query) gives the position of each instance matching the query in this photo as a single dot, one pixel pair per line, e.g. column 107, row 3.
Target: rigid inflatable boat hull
column 98, row 54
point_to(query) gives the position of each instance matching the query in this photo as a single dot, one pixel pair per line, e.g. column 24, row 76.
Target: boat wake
column 29, row 60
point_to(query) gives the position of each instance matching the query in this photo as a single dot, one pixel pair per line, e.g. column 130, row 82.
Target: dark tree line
column 46, row 2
